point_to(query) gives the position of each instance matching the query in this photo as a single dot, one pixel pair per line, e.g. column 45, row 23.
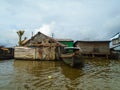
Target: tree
column 20, row 34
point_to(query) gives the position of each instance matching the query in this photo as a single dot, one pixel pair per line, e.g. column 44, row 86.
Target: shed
column 94, row 48
column 40, row 47
column 6, row 53
column 67, row 42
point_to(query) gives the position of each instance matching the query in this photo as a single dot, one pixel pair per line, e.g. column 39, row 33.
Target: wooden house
column 67, row 42
column 40, row 47
column 6, row 53
column 94, row 48
column 115, row 46
column 115, row 42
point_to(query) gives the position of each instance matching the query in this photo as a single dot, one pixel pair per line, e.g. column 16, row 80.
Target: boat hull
column 73, row 61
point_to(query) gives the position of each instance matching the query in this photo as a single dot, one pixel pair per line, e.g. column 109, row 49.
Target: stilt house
column 94, row 48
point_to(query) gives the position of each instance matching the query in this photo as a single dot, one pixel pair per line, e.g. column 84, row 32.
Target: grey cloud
column 75, row 19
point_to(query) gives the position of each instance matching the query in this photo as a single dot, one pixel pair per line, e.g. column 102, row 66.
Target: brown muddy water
column 99, row 74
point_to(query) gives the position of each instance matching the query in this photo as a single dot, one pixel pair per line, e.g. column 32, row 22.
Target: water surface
column 97, row 74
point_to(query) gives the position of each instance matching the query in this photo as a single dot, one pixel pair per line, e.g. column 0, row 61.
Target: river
column 97, row 74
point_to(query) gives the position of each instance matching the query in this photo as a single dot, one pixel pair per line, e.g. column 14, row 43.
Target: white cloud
column 46, row 29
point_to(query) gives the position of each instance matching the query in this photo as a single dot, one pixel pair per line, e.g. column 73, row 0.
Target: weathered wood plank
column 40, row 53
column 24, row 52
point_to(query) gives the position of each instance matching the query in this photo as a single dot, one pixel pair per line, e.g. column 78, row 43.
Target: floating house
column 6, row 53
column 40, row 47
column 67, row 42
column 94, row 48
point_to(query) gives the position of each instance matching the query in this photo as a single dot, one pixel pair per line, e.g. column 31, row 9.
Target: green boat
column 72, row 56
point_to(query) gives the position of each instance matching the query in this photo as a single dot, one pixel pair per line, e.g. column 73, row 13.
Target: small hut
column 94, row 48
column 6, row 53
column 67, row 42
column 40, row 47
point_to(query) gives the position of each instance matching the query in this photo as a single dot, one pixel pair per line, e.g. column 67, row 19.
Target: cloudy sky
column 75, row 19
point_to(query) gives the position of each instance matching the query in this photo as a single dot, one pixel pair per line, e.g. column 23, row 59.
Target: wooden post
column 118, row 55
column 93, row 55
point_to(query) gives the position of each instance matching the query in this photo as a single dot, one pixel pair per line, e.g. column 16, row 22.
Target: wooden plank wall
column 41, row 53
column 45, row 53
column 103, row 48
column 24, row 53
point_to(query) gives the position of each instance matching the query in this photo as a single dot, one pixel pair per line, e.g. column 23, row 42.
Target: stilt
column 107, row 56
column 93, row 55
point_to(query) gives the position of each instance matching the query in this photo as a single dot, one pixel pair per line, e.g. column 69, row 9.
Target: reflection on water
column 49, row 75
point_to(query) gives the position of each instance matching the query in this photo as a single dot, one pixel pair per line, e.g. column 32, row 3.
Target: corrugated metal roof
column 64, row 39
column 115, row 36
column 93, row 41
column 24, row 41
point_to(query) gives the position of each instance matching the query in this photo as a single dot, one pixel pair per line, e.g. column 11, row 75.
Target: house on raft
column 115, row 45
column 67, row 42
column 39, row 47
column 6, row 53
column 94, row 48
